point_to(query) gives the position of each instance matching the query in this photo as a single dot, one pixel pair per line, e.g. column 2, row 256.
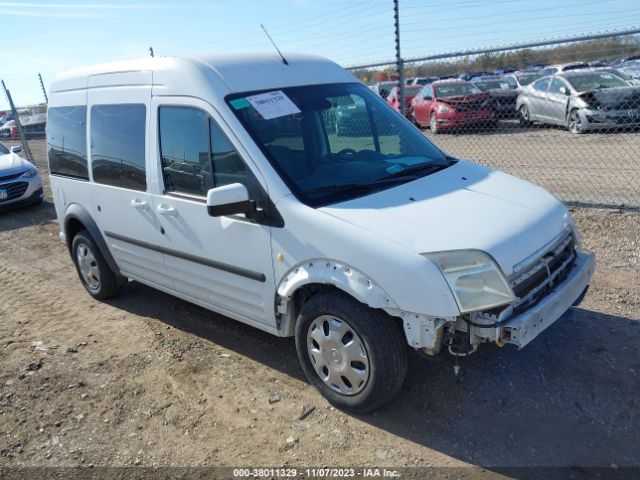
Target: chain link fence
column 565, row 116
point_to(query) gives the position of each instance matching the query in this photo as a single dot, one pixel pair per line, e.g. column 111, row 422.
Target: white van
column 292, row 198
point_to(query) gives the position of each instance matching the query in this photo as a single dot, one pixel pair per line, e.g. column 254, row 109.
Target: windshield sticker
column 273, row 104
column 238, row 103
column 394, row 168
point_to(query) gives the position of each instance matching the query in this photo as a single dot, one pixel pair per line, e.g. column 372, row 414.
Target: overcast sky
column 51, row 36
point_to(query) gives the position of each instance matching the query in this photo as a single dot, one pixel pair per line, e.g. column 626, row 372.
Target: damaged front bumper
column 522, row 328
column 428, row 334
column 528, row 325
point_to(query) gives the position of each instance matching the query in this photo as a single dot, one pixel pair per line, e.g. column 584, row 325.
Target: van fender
column 79, row 213
column 327, row 272
column 421, row 331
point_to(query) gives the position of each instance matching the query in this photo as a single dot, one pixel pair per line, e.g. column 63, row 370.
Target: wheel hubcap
column 338, row 355
column 88, row 267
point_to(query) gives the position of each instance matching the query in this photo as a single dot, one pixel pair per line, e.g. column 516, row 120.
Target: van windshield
column 334, row 142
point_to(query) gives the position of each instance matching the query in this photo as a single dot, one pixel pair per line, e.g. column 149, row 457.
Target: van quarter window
column 118, row 145
column 67, row 141
column 184, row 149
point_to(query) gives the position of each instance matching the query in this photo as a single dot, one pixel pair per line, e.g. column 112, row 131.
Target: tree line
column 586, row 51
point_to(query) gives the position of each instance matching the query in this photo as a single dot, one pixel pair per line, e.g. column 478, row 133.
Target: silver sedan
column 20, row 182
column 581, row 101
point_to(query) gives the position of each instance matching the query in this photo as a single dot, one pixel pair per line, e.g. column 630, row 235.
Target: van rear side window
column 67, row 141
column 118, row 145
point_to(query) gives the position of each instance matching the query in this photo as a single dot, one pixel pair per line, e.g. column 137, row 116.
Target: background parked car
column 383, row 88
column 410, row 91
column 581, row 101
column 517, row 81
column 424, row 80
column 620, row 72
column 631, row 69
column 448, row 104
column 469, row 75
column 564, row 67
column 9, row 130
column 504, row 98
column 20, row 183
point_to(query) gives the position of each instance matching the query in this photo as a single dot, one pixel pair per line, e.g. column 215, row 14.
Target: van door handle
column 166, row 210
column 139, row 204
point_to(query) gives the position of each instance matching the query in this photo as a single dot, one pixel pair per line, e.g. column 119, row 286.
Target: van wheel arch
column 77, row 218
column 316, row 276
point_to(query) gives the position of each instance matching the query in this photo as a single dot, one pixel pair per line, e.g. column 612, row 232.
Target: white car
column 219, row 180
column 20, row 182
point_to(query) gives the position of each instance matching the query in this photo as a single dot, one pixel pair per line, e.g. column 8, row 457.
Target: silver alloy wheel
column 575, row 123
column 338, row 355
column 433, row 124
column 88, row 266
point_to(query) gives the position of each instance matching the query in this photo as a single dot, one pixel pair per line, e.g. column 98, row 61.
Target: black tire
column 524, row 118
column 108, row 282
column 382, row 339
column 433, row 124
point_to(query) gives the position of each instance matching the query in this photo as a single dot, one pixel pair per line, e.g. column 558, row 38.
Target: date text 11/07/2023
column 329, row 473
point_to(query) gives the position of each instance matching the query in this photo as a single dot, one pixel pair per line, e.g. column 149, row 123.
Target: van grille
column 537, row 278
column 14, row 190
column 550, row 269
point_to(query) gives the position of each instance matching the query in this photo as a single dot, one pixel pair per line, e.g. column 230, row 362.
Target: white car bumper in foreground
column 528, row 325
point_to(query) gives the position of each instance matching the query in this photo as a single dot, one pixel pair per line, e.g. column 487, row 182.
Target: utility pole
column 44, row 90
column 399, row 61
column 23, row 137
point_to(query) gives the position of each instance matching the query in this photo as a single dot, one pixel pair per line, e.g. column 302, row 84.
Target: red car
column 452, row 104
column 410, row 91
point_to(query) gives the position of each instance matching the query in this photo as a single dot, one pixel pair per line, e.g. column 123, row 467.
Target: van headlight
column 476, row 281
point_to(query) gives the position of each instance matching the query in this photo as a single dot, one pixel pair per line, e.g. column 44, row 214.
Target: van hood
column 11, row 164
column 465, row 206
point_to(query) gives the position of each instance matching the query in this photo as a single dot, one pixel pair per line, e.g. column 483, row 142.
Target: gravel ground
column 146, row 379
column 594, row 168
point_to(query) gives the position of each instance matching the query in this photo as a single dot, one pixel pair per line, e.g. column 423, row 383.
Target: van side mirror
column 16, row 149
column 229, row 199
column 563, row 90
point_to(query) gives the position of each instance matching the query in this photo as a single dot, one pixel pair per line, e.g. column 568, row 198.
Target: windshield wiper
column 412, row 171
column 348, row 187
column 397, row 177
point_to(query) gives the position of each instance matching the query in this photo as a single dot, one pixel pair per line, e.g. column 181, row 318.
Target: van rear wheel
column 354, row 355
column 94, row 272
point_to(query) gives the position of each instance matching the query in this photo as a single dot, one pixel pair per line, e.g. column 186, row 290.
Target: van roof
column 227, row 73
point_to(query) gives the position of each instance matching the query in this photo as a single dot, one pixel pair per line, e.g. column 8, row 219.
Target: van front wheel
column 354, row 355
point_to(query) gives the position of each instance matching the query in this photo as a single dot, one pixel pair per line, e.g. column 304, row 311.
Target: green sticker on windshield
column 239, row 103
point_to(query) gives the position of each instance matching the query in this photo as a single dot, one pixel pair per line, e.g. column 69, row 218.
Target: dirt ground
column 595, row 168
column 146, row 379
